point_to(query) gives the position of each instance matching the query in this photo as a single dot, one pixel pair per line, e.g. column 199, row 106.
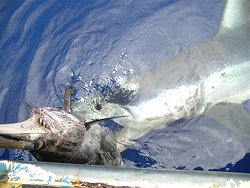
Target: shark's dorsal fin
column 236, row 13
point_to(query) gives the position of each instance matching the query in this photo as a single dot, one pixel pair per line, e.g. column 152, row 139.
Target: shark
column 213, row 72
column 192, row 83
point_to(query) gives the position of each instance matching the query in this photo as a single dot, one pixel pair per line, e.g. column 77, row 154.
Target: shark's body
column 215, row 71
column 212, row 72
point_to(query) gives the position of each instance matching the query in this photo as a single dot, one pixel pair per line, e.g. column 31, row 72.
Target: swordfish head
column 49, row 129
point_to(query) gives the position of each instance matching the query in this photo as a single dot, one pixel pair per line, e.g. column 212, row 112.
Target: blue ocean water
column 46, row 45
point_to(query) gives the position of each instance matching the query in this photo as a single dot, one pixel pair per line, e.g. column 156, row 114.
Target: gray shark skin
column 216, row 71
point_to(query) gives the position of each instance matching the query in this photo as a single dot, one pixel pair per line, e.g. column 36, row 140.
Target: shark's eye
column 98, row 106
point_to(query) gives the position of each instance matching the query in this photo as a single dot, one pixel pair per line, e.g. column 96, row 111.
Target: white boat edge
column 14, row 173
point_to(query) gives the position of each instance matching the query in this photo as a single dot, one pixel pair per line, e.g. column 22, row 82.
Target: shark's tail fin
column 236, row 13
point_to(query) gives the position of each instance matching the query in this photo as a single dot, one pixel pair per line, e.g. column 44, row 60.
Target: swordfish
column 213, row 72
column 56, row 135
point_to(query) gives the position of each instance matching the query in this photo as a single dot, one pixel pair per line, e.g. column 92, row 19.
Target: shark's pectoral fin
column 133, row 130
